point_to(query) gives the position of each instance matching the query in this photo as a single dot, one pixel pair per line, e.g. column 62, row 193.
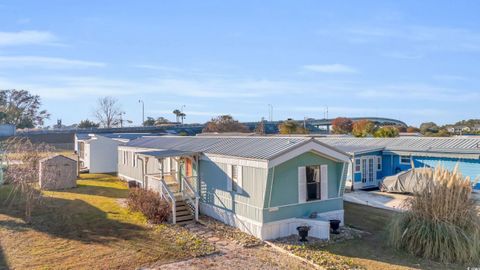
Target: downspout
column 353, row 172
column 271, row 187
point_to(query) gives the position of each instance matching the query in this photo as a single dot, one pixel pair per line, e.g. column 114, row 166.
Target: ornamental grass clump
column 442, row 222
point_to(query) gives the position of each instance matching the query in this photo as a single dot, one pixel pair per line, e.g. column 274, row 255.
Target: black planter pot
column 303, row 233
column 334, row 226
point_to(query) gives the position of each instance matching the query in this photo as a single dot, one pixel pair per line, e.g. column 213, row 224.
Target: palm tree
column 177, row 113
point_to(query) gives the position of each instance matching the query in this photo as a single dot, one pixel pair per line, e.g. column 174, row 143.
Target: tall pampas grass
column 442, row 222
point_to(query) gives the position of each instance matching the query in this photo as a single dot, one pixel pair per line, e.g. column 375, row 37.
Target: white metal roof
column 458, row 145
column 240, row 146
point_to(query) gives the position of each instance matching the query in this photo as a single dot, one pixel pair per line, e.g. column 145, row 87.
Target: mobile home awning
column 167, row 153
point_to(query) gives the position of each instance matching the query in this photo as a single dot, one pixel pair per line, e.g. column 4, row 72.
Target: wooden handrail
column 193, row 199
column 170, row 197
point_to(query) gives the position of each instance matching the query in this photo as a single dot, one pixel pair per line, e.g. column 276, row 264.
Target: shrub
column 442, row 222
column 386, row 132
column 150, row 204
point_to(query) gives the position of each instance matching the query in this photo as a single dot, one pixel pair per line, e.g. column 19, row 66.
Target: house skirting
column 128, row 178
column 320, row 227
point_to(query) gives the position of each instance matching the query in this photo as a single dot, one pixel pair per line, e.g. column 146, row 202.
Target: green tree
column 387, row 132
column 22, row 109
column 224, row 123
column 88, row 124
column 179, row 115
column 429, row 127
column 363, row 128
column 342, row 125
column 290, row 126
column 161, row 121
column 150, row 121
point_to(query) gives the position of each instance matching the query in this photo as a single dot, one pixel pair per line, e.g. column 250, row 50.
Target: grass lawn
column 86, row 227
column 371, row 251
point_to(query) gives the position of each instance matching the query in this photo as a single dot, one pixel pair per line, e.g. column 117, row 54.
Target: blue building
column 375, row 158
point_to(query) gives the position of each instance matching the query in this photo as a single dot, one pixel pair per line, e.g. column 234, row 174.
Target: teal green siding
column 285, row 184
column 213, row 189
column 302, row 210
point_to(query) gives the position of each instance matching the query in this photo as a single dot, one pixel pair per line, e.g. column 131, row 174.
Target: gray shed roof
column 458, row 145
column 248, row 147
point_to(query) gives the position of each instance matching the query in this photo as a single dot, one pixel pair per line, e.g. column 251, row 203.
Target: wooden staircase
column 183, row 213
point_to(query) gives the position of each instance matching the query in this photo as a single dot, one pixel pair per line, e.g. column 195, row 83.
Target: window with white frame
column 134, row 159
column 404, row 159
column 379, row 163
column 357, row 165
column 125, row 157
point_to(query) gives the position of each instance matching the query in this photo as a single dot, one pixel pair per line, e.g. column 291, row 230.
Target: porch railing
column 166, row 194
column 190, row 196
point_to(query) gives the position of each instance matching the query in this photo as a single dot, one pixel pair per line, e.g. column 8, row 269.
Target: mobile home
column 265, row 186
column 375, row 158
column 98, row 152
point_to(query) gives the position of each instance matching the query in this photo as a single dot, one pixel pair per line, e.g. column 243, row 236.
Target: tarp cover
column 404, row 182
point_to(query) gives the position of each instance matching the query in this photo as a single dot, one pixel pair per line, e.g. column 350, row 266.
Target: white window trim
column 238, row 183
column 379, row 163
column 405, row 163
column 134, row 160
column 359, row 165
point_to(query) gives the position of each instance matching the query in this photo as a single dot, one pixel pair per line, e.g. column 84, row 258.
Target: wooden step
column 183, row 223
column 183, row 212
column 185, row 218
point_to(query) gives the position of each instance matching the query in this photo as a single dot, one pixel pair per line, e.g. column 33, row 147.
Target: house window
column 313, row 183
column 379, row 163
column 125, row 157
column 234, row 178
column 357, row 165
column 134, row 160
column 404, row 159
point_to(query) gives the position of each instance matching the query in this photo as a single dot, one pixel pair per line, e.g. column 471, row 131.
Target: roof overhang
column 166, row 153
column 425, row 153
column 317, row 147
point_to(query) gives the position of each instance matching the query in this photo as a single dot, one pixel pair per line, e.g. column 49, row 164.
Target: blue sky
column 411, row 60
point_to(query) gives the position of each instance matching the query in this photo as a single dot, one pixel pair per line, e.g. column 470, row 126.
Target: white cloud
column 26, row 38
column 403, row 55
column 423, row 38
column 158, row 67
column 332, row 68
column 45, row 62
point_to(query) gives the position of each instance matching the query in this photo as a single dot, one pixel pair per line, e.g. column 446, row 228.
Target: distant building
column 459, row 130
column 98, row 152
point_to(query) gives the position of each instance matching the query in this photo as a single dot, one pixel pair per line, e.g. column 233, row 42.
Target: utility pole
column 121, row 119
column 143, row 111
column 182, row 115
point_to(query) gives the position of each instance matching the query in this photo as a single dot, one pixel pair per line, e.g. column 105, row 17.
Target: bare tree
column 108, row 112
column 22, row 158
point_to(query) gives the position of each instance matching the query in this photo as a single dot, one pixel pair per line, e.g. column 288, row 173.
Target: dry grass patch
column 85, row 227
column 231, row 233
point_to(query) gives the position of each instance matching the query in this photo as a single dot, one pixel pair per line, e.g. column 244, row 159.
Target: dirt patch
column 236, row 250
